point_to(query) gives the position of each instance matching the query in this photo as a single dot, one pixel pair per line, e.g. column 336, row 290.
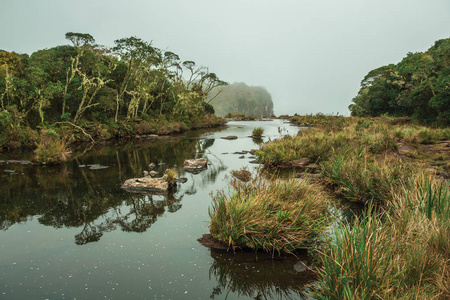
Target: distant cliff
column 242, row 99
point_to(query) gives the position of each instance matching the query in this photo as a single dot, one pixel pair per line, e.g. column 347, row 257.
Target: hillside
column 242, row 99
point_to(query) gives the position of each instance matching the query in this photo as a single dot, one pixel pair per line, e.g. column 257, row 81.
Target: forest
column 87, row 91
column 239, row 98
column 418, row 86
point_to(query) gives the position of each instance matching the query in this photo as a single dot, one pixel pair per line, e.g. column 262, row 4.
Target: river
column 71, row 232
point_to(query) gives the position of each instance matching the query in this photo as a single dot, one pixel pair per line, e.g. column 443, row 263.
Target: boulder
column 147, row 183
column 193, row 165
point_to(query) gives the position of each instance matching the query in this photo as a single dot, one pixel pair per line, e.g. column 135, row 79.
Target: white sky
column 310, row 55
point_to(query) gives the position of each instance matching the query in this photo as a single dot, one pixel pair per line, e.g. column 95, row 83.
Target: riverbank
column 52, row 144
column 397, row 172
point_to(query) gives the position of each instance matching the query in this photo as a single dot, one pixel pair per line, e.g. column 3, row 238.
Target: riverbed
column 71, row 232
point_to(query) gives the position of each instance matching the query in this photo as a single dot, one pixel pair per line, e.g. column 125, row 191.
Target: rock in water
column 230, row 137
column 301, row 266
column 193, row 165
column 147, row 183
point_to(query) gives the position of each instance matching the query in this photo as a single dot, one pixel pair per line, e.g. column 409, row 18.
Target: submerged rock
column 147, row 183
column 194, row 165
column 301, row 266
column 230, row 137
column 97, row 167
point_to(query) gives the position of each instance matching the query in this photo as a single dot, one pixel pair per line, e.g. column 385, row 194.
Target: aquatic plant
column 171, row 176
column 257, row 132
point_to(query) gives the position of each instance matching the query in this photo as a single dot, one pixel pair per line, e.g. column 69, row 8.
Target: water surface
column 70, row 232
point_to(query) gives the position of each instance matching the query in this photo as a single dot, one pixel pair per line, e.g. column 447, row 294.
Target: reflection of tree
column 144, row 211
column 258, row 276
column 71, row 196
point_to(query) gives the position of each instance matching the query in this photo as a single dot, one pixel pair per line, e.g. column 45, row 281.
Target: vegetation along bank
column 372, row 204
column 87, row 92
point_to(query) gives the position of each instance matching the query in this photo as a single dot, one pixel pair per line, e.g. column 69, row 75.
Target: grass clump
column 258, row 132
column 400, row 252
column 51, row 148
column 171, row 176
column 359, row 177
column 271, row 215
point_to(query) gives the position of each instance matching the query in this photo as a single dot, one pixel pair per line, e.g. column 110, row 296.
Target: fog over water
column 310, row 55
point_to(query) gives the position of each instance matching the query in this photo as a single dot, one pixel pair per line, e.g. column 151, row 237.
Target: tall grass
column 359, row 177
column 403, row 255
column 272, row 215
column 319, row 143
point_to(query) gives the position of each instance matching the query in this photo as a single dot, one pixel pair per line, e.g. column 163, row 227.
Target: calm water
column 70, row 232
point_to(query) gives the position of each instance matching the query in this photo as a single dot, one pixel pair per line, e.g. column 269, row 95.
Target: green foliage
column 418, row 86
column 88, row 83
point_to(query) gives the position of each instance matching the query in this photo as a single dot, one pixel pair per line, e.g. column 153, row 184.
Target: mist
column 309, row 55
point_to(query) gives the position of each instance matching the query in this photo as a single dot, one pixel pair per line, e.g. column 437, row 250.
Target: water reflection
column 259, row 276
column 73, row 195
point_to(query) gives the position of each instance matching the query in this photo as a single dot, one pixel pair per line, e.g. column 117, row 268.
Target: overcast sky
column 310, row 55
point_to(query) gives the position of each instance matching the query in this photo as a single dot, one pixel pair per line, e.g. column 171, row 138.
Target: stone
column 193, row 165
column 300, row 163
column 301, row 266
column 230, row 137
column 146, row 183
column 253, row 151
column 182, row 180
column 97, row 167
column 153, row 173
column 241, row 157
column 151, row 166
